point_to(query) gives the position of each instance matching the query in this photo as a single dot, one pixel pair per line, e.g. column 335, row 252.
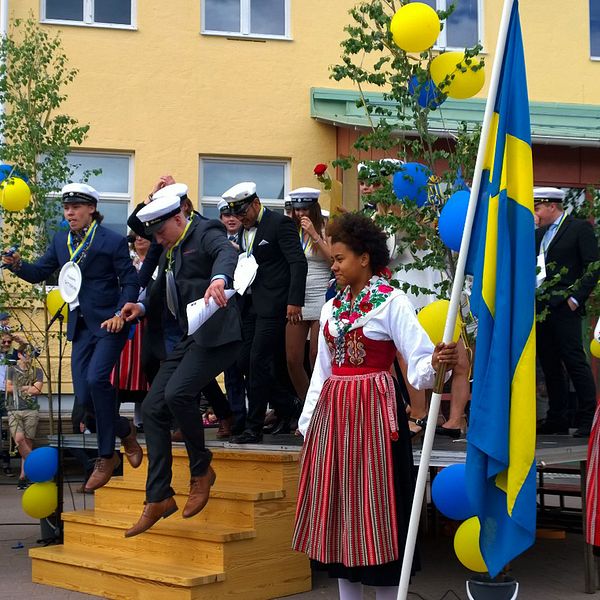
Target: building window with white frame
column 99, row 13
column 114, row 184
column 217, row 175
column 462, row 29
column 251, row 18
column 595, row 29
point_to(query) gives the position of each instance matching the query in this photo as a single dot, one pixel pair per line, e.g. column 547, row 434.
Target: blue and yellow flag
column 501, row 440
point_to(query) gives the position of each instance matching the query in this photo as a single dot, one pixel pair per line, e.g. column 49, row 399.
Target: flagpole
column 457, row 287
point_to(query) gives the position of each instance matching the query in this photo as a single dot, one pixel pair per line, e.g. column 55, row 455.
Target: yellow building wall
column 170, row 94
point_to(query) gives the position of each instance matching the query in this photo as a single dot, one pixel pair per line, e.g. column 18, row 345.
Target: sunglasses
column 240, row 211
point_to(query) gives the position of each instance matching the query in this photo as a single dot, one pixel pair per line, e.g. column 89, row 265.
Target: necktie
column 232, row 237
column 548, row 237
column 172, row 301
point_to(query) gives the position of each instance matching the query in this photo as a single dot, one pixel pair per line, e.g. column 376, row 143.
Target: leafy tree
column 36, row 138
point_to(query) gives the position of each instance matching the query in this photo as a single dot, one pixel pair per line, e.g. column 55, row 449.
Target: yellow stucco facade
column 169, row 94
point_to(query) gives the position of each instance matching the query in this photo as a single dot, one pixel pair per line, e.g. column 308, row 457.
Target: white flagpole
column 457, row 287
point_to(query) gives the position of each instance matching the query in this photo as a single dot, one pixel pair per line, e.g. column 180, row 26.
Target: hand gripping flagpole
column 457, row 287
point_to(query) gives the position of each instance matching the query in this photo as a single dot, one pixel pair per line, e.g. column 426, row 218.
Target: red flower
column 353, row 317
column 365, row 306
column 320, row 169
column 385, row 289
column 344, row 316
column 337, row 302
column 385, row 272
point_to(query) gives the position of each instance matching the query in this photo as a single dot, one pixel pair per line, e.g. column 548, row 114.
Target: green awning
column 551, row 123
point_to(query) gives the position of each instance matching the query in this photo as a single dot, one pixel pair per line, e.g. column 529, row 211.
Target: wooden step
column 111, row 576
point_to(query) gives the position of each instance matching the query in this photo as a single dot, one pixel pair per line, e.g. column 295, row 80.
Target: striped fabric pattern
column 128, row 373
column 346, row 502
column 592, row 495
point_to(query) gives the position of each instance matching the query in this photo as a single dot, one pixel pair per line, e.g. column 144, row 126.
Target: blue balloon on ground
column 427, row 93
column 411, row 182
column 41, row 464
column 449, row 493
column 452, row 219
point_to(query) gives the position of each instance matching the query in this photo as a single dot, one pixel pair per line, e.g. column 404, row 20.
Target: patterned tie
column 548, row 237
column 172, row 301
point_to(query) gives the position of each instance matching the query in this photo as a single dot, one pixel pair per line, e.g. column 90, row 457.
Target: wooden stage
column 238, row 547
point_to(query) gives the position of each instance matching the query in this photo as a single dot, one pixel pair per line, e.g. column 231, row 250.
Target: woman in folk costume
column 356, row 482
column 592, row 526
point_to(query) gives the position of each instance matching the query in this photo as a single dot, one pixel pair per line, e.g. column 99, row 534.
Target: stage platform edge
column 237, row 547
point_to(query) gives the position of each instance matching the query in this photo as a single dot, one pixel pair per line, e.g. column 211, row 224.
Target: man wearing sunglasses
column 276, row 295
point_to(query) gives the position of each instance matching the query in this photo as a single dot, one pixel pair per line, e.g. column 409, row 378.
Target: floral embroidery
column 356, row 350
column 346, row 313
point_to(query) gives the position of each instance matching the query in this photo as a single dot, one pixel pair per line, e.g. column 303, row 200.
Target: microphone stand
column 58, row 528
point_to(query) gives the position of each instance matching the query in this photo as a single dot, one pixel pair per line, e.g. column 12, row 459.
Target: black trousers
column 263, row 363
column 174, row 394
column 561, row 354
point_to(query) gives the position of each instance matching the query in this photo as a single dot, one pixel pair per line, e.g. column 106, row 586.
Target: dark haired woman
column 306, row 212
column 356, row 482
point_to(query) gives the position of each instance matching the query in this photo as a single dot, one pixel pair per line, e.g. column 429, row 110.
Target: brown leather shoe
column 177, row 436
column 103, row 470
column 199, row 493
column 224, row 430
column 153, row 512
column 131, row 448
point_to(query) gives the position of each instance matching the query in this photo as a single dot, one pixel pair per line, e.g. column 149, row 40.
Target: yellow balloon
column 595, row 348
column 462, row 84
column 433, row 320
column 14, row 194
column 415, row 27
column 40, row 500
column 54, row 301
column 466, row 545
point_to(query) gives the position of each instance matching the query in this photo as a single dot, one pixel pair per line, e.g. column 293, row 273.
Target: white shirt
column 395, row 321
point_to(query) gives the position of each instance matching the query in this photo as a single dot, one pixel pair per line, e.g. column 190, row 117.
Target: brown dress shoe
column 199, row 492
column 131, row 448
column 103, row 470
column 224, row 430
column 153, row 512
column 177, row 436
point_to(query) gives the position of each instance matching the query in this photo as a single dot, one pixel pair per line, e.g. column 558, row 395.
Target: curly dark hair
column 361, row 235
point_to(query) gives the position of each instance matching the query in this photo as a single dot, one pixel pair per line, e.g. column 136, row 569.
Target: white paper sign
column 69, row 283
column 198, row 312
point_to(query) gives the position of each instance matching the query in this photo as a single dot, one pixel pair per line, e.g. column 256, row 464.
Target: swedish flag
column 501, row 439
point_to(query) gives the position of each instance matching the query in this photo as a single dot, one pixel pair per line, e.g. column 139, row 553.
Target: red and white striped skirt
column 592, row 526
column 346, row 510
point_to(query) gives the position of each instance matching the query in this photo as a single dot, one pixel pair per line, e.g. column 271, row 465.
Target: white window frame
column 245, row 32
column 88, row 17
column 276, row 203
column 441, row 43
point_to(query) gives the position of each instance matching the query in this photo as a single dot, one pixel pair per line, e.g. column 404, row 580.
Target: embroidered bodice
column 356, row 350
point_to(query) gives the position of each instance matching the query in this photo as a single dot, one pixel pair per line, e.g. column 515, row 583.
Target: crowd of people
column 320, row 356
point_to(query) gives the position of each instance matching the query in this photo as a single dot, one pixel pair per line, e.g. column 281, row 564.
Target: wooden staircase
column 239, row 546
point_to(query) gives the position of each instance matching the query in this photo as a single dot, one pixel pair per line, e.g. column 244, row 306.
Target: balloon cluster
column 415, row 27
column 449, row 494
column 41, row 499
column 15, row 194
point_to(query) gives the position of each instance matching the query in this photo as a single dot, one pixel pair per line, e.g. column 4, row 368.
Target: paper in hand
column 198, row 312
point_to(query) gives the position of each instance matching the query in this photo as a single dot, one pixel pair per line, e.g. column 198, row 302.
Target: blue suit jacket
column 109, row 278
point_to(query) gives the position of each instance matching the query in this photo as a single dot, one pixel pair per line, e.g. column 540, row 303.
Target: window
column 218, row 175
column 252, row 18
column 104, row 13
column 114, row 184
column 463, row 27
column 595, row 29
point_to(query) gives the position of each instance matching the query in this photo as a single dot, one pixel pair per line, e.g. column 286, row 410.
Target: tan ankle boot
column 153, row 512
column 199, row 493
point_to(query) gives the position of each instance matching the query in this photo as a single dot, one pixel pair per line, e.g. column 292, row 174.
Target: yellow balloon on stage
column 464, row 83
column 54, row 301
column 40, row 500
column 14, row 194
column 415, row 27
column 595, row 348
column 466, row 545
column 433, row 320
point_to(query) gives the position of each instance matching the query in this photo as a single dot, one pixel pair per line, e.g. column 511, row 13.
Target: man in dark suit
column 108, row 282
column 276, row 294
column 563, row 242
column 198, row 262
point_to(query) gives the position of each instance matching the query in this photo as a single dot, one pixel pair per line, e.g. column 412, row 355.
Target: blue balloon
column 6, row 170
column 428, row 95
column 452, row 219
column 411, row 182
column 41, row 464
column 449, row 493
